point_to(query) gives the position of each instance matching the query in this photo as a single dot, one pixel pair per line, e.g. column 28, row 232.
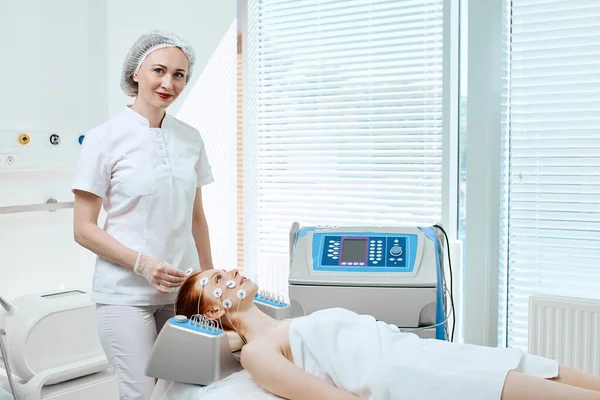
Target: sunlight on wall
column 211, row 107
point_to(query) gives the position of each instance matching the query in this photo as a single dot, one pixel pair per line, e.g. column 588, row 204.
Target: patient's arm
column 278, row 375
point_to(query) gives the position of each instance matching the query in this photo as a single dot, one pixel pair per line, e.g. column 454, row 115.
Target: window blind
column 554, row 156
column 345, row 103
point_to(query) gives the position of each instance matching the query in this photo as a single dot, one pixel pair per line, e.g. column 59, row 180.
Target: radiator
column 566, row 329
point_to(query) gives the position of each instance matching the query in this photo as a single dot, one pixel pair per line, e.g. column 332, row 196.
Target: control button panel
column 346, row 251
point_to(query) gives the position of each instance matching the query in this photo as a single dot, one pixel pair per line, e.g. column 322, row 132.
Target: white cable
column 232, row 324
column 448, row 310
column 432, row 326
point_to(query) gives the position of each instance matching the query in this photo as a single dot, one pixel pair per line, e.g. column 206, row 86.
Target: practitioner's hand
column 160, row 274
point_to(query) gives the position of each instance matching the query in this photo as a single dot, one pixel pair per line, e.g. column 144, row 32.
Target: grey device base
column 406, row 308
column 276, row 311
column 185, row 355
column 196, row 355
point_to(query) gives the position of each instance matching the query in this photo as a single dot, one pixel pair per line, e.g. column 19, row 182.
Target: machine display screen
column 354, row 250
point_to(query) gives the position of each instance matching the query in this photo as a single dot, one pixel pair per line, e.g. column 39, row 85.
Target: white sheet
column 386, row 364
column 239, row 385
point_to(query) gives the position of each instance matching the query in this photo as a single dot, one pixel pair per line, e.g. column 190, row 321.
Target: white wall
column 53, row 64
column 211, row 107
column 60, row 63
column 53, row 69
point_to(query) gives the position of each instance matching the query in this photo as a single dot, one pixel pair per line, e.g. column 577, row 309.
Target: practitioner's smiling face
column 162, row 77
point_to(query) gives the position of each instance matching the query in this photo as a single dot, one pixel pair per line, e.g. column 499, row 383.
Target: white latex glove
column 160, row 274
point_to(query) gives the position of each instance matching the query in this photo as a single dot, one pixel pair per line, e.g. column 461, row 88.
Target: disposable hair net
column 143, row 46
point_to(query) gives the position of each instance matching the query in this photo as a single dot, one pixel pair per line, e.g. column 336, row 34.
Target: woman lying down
column 338, row 354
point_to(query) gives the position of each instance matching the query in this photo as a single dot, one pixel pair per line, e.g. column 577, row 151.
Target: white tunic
column 147, row 178
column 377, row 361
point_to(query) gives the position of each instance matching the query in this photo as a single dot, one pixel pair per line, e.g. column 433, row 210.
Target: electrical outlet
column 8, row 161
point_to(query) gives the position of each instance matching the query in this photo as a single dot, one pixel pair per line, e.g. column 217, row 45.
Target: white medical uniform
column 147, row 178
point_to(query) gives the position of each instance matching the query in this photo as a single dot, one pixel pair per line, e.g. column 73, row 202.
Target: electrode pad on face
column 230, row 284
column 227, row 303
column 218, row 292
column 241, row 294
column 204, row 281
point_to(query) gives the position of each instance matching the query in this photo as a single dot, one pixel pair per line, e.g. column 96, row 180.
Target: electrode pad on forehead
column 230, row 284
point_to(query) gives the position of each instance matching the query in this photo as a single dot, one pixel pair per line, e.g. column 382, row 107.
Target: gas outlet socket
column 8, row 161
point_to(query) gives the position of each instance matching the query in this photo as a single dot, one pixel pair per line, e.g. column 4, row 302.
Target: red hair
column 188, row 296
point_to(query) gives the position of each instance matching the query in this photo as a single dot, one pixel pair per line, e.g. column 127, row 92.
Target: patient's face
column 219, row 278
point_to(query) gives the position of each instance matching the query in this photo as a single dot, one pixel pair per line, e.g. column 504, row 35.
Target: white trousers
column 127, row 334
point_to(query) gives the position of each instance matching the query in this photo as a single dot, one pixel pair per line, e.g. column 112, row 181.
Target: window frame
column 485, row 266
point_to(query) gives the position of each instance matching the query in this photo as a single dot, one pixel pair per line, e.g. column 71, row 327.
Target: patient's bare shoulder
column 276, row 340
column 281, row 337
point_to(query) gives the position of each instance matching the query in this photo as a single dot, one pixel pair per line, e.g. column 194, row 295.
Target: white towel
column 375, row 360
column 239, row 385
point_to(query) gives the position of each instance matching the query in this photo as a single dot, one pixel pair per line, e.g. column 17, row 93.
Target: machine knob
column 396, row 251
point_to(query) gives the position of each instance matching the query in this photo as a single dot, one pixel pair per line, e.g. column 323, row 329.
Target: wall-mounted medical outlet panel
column 24, row 150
